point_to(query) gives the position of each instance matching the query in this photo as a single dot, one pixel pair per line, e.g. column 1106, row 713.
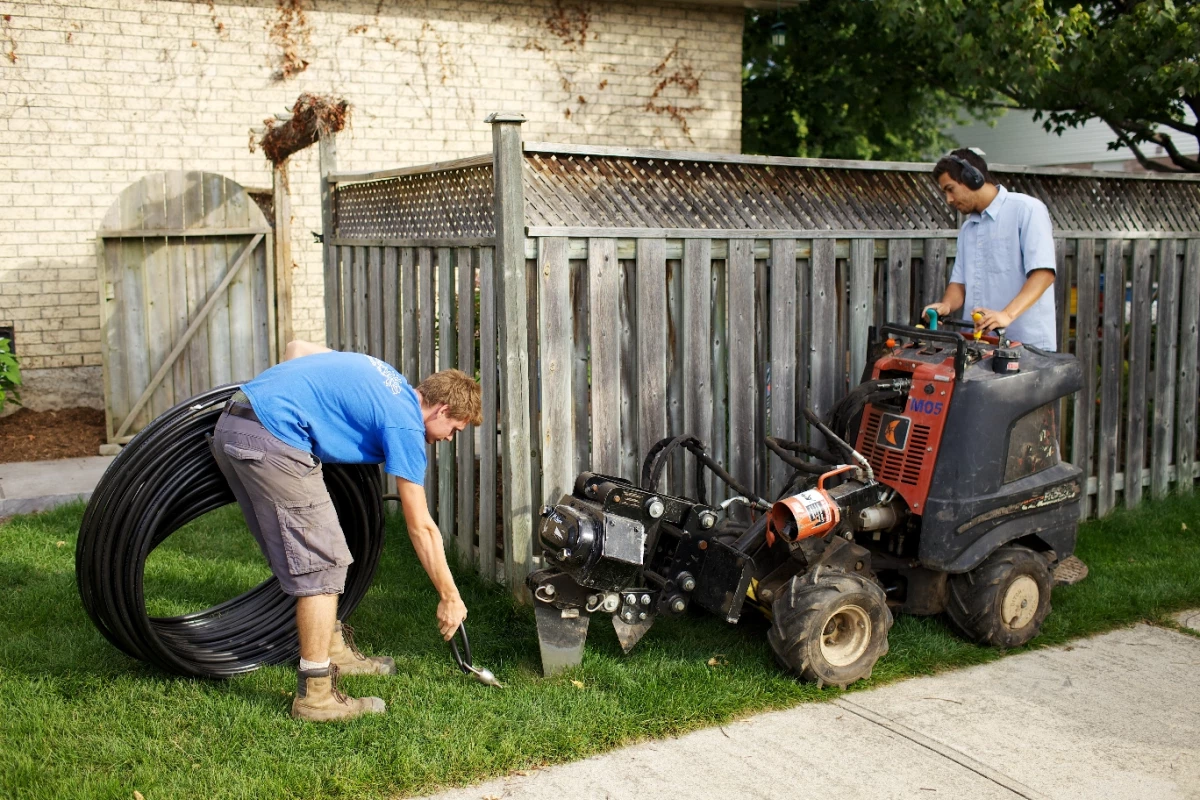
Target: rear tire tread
column 974, row 598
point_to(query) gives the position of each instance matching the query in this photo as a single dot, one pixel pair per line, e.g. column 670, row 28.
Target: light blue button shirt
column 997, row 249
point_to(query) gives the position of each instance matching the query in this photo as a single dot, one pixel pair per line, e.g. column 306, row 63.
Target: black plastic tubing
column 165, row 478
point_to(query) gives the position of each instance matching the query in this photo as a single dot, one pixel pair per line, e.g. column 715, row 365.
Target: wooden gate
column 187, row 294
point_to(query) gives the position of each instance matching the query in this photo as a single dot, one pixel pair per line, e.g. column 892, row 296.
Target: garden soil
column 45, row 435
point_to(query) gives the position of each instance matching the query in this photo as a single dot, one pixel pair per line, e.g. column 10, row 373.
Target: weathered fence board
column 465, row 442
column 697, row 342
column 651, row 344
column 489, row 380
column 1189, row 366
column 719, row 363
column 934, row 272
column 375, row 300
column 823, row 314
column 580, row 364
column 1111, row 361
column 1139, row 365
column 783, row 352
column 1166, row 352
column 557, row 352
column 390, row 287
column 627, row 307
column 899, row 280
column 427, row 314
column 605, row 328
column 408, row 313
column 862, row 279
column 447, row 350
column 742, row 389
column 1086, row 321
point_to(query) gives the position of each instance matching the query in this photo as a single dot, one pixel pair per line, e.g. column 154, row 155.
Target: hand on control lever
column 941, row 309
column 988, row 320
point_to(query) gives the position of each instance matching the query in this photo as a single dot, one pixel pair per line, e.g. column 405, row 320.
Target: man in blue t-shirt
column 1005, row 261
column 320, row 406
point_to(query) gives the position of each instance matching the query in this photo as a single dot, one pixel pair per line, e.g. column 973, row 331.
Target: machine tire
column 976, row 603
column 811, row 612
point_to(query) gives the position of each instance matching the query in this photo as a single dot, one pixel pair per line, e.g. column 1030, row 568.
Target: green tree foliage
column 10, row 375
column 886, row 70
column 839, row 87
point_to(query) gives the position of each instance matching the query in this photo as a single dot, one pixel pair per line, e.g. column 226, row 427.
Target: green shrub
column 10, row 375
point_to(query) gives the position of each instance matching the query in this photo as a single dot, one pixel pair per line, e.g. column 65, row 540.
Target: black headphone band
column 972, row 177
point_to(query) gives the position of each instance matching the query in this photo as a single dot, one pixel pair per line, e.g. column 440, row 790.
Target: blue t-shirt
column 345, row 408
column 997, row 249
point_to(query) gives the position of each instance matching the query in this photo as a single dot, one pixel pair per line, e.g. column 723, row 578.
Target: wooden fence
column 590, row 346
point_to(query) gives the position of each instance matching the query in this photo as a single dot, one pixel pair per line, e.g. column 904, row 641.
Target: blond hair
column 456, row 389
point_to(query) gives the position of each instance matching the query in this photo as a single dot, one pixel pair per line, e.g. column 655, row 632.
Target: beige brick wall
column 100, row 92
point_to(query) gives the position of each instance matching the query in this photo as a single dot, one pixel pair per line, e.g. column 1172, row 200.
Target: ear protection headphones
column 972, row 178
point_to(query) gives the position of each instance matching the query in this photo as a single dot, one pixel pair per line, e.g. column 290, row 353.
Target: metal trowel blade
column 560, row 639
column 630, row 633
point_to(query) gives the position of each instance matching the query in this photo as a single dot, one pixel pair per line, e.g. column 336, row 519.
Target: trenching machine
column 953, row 498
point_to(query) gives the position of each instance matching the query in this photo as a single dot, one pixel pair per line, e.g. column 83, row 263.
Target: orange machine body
column 902, row 446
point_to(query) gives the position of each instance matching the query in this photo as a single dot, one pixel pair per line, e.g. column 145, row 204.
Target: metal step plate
column 1070, row 570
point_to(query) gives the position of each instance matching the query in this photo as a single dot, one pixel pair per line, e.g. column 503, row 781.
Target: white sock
column 308, row 666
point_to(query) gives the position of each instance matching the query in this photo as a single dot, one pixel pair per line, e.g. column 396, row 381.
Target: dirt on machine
column 936, row 486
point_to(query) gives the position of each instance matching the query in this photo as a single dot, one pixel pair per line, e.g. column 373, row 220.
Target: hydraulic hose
column 656, row 461
column 165, row 478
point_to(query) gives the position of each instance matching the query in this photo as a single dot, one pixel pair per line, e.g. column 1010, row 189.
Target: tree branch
column 1165, row 142
column 1182, row 127
column 1178, row 158
column 1123, row 138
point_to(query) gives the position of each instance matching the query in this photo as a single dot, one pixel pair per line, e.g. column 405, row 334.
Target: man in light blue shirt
column 1005, row 261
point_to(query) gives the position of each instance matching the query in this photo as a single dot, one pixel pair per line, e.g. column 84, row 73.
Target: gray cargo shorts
column 287, row 506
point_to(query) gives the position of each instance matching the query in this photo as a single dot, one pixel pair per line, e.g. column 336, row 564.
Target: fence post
column 513, row 322
column 281, row 203
column 327, row 159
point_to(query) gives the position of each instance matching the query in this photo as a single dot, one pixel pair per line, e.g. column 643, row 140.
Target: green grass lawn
column 79, row 719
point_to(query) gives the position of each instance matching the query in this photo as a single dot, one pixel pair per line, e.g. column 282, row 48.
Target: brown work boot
column 350, row 660
column 318, row 699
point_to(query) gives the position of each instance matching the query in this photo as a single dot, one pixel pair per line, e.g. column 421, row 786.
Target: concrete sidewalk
column 1114, row 717
column 30, row 486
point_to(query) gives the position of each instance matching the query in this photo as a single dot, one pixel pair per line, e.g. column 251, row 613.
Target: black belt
column 239, row 406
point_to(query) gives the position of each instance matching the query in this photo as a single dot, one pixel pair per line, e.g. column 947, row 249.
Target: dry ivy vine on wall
column 675, row 79
column 10, row 44
column 291, row 33
column 683, row 75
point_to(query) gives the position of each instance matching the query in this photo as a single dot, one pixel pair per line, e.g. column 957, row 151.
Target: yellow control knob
column 978, row 333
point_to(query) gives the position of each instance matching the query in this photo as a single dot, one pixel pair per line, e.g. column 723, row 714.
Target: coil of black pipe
column 165, row 478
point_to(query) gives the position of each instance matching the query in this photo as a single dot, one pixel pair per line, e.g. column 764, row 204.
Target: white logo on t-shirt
column 391, row 378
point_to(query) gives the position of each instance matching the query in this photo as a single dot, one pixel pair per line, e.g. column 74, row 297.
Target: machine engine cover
column 600, row 550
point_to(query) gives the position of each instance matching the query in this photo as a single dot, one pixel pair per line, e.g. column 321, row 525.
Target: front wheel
column 830, row 627
column 1004, row 600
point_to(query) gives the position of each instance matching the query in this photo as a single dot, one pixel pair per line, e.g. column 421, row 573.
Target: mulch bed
column 45, row 435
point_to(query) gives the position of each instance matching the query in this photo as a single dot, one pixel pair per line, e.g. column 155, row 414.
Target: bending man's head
column 450, row 401
column 958, row 176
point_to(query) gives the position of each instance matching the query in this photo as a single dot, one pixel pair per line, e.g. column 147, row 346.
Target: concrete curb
column 32, row 486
